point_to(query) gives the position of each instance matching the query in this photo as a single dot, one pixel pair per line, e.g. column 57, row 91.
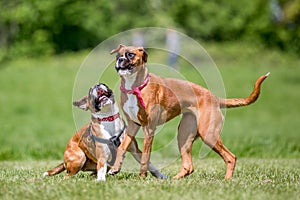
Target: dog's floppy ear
column 145, row 54
column 82, row 103
column 117, row 49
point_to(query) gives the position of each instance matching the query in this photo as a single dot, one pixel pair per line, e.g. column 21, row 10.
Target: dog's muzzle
column 123, row 66
column 101, row 96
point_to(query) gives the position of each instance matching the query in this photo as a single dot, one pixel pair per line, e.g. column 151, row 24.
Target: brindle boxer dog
column 149, row 100
column 93, row 147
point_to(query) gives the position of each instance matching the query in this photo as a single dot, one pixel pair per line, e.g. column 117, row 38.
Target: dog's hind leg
column 210, row 128
column 74, row 161
column 187, row 132
column 227, row 156
column 56, row 170
column 90, row 165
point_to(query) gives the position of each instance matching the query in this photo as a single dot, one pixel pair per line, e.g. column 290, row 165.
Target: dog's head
column 129, row 59
column 100, row 99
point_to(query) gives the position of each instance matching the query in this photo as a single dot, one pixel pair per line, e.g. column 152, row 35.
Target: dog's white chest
column 131, row 108
column 105, row 135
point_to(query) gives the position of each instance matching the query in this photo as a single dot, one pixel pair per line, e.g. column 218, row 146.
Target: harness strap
column 112, row 143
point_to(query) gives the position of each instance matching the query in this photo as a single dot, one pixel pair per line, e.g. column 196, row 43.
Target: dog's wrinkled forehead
column 130, row 52
column 121, row 49
column 125, row 51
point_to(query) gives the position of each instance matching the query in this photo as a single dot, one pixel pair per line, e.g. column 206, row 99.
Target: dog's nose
column 121, row 59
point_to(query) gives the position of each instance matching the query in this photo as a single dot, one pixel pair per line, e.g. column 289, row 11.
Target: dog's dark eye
column 130, row 55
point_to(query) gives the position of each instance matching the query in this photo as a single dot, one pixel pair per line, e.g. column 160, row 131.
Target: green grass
column 36, row 122
column 254, row 179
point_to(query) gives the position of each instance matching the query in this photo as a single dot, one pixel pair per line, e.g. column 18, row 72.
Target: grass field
column 254, row 179
column 36, row 121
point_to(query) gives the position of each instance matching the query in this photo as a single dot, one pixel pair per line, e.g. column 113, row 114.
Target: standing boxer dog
column 93, row 147
column 149, row 100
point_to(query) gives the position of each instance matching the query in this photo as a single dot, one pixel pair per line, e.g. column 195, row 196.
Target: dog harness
column 113, row 143
column 137, row 90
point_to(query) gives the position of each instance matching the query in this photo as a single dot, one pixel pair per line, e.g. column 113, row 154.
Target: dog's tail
column 56, row 170
column 237, row 102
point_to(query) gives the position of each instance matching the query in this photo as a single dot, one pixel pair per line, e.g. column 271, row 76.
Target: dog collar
column 137, row 90
column 108, row 119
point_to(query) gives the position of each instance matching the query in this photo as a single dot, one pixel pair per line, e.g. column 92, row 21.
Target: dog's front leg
column 131, row 131
column 148, row 139
column 101, row 170
column 137, row 154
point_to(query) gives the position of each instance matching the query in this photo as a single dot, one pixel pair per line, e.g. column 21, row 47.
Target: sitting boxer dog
column 149, row 100
column 93, row 147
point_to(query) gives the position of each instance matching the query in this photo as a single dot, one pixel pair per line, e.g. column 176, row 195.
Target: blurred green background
column 33, row 27
column 43, row 43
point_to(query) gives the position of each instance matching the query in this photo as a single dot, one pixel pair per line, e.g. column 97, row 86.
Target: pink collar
column 137, row 90
column 109, row 119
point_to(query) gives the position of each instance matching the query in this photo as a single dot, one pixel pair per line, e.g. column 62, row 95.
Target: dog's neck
column 111, row 112
column 135, row 79
column 110, row 121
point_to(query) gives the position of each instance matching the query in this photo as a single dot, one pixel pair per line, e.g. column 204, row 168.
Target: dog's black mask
column 100, row 94
column 124, row 62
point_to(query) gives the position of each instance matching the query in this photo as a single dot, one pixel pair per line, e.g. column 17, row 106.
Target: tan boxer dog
column 93, row 147
column 149, row 100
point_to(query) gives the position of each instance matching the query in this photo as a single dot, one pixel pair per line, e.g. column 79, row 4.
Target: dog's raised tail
column 237, row 102
column 56, row 170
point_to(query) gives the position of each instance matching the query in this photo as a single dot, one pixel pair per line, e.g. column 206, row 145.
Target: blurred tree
column 291, row 22
column 218, row 20
column 35, row 27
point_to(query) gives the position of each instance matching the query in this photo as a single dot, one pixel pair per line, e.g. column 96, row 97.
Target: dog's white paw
column 101, row 179
column 101, row 176
column 101, row 173
column 113, row 172
column 45, row 174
